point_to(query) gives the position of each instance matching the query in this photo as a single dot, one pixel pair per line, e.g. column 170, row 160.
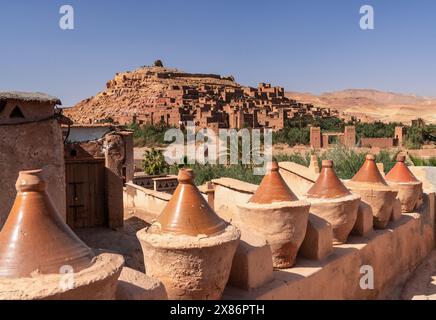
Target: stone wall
column 378, row 142
column 228, row 193
column 299, row 178
column 29, row 146
column 144, row 202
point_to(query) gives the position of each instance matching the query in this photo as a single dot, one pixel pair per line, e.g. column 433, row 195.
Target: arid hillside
column 130, row 92
column 370, row 105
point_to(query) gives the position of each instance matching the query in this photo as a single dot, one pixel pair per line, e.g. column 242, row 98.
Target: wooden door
column 86, row 194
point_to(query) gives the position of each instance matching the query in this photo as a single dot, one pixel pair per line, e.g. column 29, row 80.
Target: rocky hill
column 371, row 105
column 130, row 92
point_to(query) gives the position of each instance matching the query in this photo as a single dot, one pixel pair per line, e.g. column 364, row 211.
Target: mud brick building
column 98, row 161
column 159, row 95
column 320, row 140
column 30, row 138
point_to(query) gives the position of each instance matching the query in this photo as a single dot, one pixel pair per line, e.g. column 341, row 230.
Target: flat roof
column 29, row 97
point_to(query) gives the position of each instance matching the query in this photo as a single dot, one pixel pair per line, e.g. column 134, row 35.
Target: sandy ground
column 422, row 284
column 122, row 241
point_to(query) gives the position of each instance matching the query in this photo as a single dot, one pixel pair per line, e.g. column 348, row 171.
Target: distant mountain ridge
column 131, row 92
column 372, row 105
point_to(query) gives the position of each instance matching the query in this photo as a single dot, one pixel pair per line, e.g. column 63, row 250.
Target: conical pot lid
column 369, row 172
column 400, row 172
column 34, row 237
column 328, row 185
column 188, row 213
column 273, row 188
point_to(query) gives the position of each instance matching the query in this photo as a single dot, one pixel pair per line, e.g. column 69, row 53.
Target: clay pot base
column 190, row 267
column 340, row 213
column 379, row 198
column 98, row 282
column 409, row 194
column 282, row 224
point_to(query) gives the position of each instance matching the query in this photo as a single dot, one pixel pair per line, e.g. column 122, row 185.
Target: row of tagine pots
column 190, row 248
column 278, row 215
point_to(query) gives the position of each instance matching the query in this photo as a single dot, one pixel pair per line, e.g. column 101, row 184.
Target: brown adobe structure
column 98, row 162
column 347, row 138
column 159, row 95
column 30, row 137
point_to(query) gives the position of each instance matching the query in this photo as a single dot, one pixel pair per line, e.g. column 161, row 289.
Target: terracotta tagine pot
column 188, row 212
column 189, row 247
column 374, row 191
column 273, row 188
column 408, row 186
column 332, row 201
column 42, row 258
column 275, row 213
column 34, row 238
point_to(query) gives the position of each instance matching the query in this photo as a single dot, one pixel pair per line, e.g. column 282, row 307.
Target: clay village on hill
column 159, row 95
column 80, row 218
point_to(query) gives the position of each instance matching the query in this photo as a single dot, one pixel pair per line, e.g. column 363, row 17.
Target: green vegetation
column 420, row 162
column 346, row 161
column 297, row 132
column 376, row 130
column 207, row 172
column 154, row 162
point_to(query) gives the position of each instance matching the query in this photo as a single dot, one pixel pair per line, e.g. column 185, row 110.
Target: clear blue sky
column 309, row 45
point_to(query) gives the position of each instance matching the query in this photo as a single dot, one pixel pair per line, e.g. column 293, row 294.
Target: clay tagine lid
column 273, row 188
column 34, row 238
column 400, row 172
column 369, row 172
column 328, row 185
column 188, row 213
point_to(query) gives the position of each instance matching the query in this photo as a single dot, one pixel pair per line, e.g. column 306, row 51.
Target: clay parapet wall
column 298, row 177
column 144, row 202
column 393, row 254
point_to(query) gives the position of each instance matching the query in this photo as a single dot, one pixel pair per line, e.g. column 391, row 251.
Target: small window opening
column 16, row 113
